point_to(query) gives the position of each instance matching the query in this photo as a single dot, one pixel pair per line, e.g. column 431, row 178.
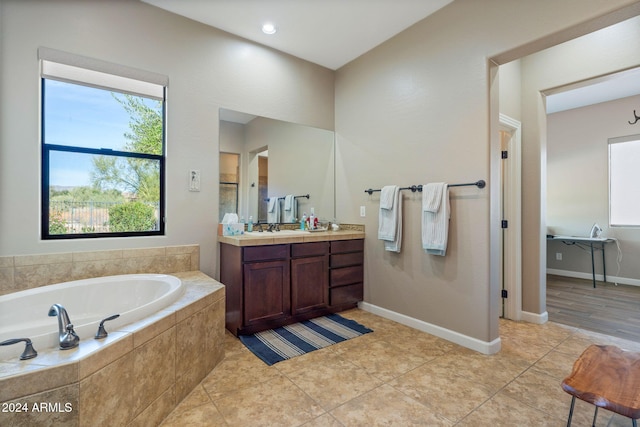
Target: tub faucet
column 68, row 337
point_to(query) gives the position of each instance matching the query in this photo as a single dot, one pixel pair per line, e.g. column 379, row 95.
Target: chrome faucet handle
column 70, row 339
column 28, row 353
column 102, row 332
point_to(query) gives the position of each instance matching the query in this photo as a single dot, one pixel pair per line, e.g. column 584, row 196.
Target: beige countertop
column 256, row 238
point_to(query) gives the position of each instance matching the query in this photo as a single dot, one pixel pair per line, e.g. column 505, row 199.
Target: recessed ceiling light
column 269, row 28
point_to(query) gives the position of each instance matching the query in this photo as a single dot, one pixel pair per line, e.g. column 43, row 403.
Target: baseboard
column 536, row 318
column 599, row 277
column 449, row 335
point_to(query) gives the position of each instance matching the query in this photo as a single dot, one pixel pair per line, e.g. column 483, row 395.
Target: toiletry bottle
column 312, row 222
column 250, row 225
column 303, row 221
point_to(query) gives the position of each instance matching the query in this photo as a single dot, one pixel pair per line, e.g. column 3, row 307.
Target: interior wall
column 510, row 83
column 417, row 109
column 207, row 69
column 578, row 187
column 300, row 162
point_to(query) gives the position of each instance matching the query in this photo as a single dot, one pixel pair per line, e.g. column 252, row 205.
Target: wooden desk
column 589, row 242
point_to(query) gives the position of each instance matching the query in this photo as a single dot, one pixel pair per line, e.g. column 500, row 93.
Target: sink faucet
column 68, row 337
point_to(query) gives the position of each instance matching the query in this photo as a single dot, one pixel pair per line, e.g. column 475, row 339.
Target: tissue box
column 231, row 229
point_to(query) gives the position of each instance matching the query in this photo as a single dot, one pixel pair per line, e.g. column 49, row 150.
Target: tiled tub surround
column 135, row 376
column 21, row 272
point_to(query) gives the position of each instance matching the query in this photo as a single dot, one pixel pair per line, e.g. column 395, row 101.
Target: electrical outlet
column 362, row 211
column 559, row 256
column 194, row 180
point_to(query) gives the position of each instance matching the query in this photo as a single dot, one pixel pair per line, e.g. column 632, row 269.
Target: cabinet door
column 266, row 291
column 309, row 283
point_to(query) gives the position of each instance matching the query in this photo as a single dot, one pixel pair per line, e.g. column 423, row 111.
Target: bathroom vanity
column 275, row 279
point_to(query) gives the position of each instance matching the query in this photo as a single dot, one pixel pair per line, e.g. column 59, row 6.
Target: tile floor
column 398, row 376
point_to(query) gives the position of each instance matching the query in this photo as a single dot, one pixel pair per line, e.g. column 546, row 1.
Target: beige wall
column 207, row 69
column 417, row 109
column 577, row 187
column 300, row 162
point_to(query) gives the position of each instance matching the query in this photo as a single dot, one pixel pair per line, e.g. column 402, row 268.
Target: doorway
column 229, row 181
column 510, row 207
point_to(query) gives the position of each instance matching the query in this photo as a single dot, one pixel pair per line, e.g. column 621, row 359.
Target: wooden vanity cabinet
column 274, row 285
column 257, row 286
column 309, row 277
column 346, row 274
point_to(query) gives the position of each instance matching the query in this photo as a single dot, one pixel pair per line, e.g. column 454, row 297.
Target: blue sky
column 81, row 116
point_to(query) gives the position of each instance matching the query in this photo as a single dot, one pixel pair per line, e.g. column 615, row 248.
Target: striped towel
column 435, row 218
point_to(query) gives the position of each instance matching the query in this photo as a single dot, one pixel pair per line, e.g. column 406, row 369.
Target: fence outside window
column 87, row 217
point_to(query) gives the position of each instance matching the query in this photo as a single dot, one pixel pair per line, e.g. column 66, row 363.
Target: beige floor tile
column 555, row 364
column 277, row 402
column 435, row 386
column 381, row 359
column 197, row 397
column 543, row 392
column 398, row 376
column 334, row 381
column 325, row 420
column 385, row 406
column 203, row 415
column 240, row 370
column 504, row 411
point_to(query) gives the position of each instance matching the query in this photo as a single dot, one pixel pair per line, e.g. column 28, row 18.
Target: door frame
column 511, row 195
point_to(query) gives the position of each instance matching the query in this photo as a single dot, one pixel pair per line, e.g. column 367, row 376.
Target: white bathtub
column 133, row 296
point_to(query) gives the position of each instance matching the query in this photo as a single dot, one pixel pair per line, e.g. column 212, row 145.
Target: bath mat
column 276, row 345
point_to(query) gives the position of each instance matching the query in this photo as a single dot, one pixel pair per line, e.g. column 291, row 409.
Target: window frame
column 47, row 149
column 610, row 143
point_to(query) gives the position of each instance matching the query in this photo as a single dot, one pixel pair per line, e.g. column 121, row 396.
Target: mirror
column 262, row 158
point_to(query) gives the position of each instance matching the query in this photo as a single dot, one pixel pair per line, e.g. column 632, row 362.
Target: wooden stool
column 606, row 377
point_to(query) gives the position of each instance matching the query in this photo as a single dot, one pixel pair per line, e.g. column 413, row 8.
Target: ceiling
column 595, row 91
column 330, row 33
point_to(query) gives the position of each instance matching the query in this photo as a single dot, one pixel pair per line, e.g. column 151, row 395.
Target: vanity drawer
column 338, row 246
column 265, row 253
column 343, row 260
column 346, row 276
column 309, row 249
column 351, row 294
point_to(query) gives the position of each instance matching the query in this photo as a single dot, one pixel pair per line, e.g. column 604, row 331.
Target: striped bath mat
column 276, row 345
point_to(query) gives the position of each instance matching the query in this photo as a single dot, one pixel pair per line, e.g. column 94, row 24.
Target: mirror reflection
column 274, row 171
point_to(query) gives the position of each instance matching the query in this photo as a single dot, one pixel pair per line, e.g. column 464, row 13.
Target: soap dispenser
column 250, row 225
column 303, row 221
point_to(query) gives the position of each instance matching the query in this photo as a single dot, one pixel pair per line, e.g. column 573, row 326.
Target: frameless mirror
column 262, row 161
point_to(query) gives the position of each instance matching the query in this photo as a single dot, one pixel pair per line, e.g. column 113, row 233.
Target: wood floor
column 608, row 309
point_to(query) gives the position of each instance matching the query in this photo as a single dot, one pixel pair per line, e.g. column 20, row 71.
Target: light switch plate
column 362, row 211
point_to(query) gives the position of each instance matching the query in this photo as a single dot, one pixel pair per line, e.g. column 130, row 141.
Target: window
column 624, row 176
column 103, row 150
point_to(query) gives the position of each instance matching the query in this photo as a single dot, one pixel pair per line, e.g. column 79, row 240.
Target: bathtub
column 133, row 296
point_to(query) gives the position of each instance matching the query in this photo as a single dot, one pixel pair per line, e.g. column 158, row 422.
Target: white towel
column 435, row 218
column 390, row 218
column 290, row 208
column 273, row 211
